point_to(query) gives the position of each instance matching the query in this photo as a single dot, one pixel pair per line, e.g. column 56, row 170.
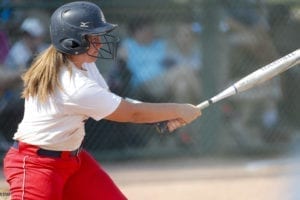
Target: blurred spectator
column 156, row 69
column 285, row 29
column 119, row 78
column 184, row 60
column 256, row 110
column 5, row 14
column 4, row 47
column 8, row 78
column 143, row 53
column 184, row 64
column 11, row 17
column 31, row 43
column 139, row 73
column 23, row 51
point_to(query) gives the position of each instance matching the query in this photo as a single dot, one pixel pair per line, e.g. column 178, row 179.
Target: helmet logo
column 84, row 24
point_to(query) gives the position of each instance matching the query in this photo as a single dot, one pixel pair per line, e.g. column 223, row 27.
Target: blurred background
column 174, row 51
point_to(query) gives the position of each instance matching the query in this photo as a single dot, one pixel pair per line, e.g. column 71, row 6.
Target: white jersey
column 58, row 124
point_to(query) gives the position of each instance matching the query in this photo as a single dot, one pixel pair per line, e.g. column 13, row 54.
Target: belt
column 44, row 152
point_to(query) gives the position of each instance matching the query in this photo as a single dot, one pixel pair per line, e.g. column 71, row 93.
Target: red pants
column 35, row 177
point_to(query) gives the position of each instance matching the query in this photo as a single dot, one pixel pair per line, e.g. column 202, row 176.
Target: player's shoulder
column 73, row 80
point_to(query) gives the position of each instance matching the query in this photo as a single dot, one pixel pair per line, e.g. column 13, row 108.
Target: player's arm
column 177, row 114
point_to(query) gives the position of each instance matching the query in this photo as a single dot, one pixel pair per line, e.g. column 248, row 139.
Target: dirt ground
column 205, row 178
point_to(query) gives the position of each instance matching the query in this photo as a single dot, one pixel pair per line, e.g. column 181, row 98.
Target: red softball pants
column 36, row 177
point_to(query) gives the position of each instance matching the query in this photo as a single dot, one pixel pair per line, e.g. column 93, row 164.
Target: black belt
column 52, row 153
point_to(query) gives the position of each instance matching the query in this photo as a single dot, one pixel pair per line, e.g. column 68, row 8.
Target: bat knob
column 162, row 127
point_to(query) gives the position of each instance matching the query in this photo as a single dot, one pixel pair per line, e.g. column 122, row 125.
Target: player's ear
column 74, row 45
column 70, row 43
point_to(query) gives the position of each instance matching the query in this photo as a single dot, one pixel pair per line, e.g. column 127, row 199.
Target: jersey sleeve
column 93, row 101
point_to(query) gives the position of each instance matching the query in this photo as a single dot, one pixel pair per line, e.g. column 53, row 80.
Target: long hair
column 42, row 78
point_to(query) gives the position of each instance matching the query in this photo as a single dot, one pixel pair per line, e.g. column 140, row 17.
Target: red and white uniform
column 58, row 125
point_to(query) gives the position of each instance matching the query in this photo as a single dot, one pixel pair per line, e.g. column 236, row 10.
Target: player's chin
column 93, row 57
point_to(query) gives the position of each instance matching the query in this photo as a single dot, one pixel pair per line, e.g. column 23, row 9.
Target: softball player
column 63, row 88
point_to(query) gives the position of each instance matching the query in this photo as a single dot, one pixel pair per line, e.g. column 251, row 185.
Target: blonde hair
column 42, row 78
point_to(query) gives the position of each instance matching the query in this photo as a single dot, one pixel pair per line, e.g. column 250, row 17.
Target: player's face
column 95, row 45
column 92, row 54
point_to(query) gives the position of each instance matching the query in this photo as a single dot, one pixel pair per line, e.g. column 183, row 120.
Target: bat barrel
column 269, row 71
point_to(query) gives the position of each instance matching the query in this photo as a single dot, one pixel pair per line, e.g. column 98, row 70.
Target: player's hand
column 188, row 113
column 174, row 124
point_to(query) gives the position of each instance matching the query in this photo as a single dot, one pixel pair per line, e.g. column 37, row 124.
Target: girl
column 63, row 88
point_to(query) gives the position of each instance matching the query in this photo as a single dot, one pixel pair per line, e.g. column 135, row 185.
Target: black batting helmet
column 73, row 22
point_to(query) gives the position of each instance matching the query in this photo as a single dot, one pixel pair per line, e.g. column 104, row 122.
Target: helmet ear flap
column 73, row 45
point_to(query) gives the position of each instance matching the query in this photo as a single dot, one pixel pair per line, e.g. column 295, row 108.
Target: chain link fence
column 190, row 50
